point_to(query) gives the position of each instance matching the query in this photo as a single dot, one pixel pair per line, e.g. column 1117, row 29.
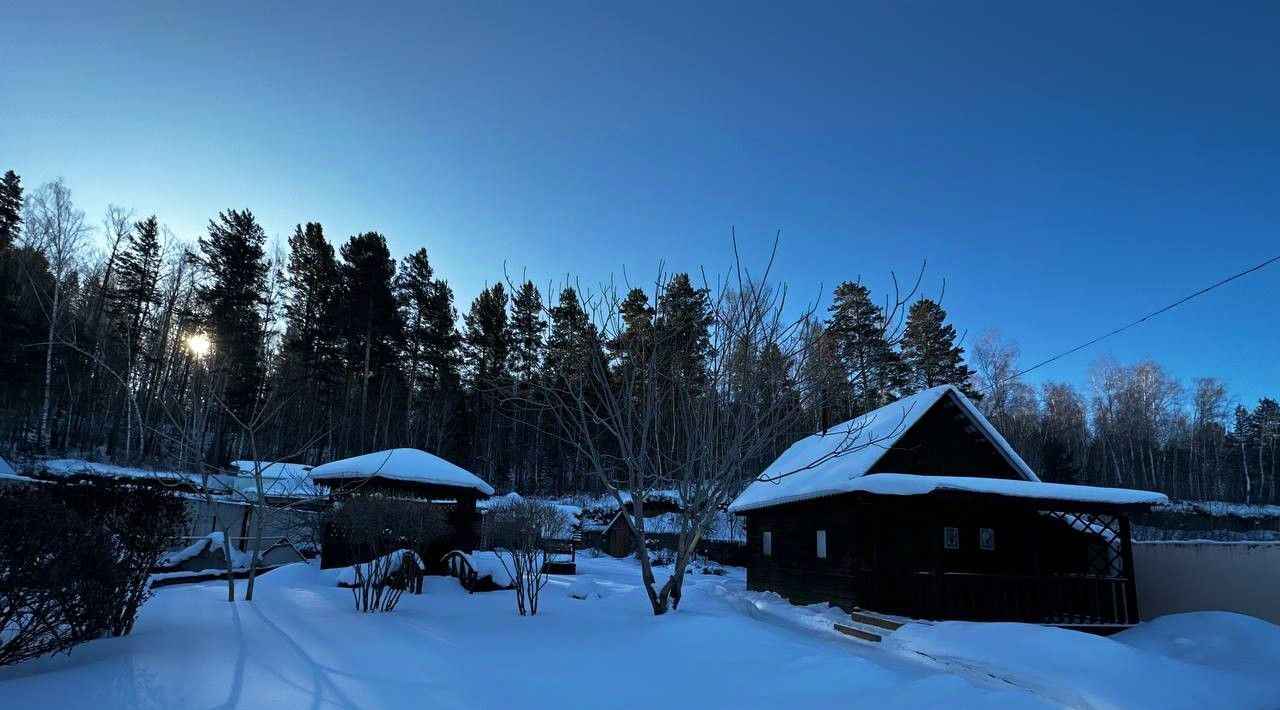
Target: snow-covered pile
column 212, row 543
column 587, row 588
column 1197, row 660
column 376, row 570
column 410, row 465
column 487, row 564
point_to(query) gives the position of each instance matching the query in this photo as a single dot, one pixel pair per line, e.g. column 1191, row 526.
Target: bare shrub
column 522, row 533
column 54, row 579
column 387, row 534
column 139, row 522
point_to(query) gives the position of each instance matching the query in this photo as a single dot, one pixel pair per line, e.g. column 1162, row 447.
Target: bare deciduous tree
column 644, row 423
column 55, row 228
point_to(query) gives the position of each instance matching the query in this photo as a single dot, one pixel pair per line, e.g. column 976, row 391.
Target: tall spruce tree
column 930, row 351
column 137, row 283
column 859, row 331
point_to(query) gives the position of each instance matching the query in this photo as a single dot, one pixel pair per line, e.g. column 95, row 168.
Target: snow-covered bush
column 75, row 561
column 522, row 532
column 378, row 584
column 378, row 530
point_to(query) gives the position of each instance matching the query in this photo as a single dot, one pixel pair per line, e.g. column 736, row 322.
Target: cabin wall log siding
column 887, row 554
column 794, row 570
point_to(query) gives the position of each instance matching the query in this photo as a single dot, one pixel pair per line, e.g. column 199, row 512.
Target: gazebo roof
column 402, row 465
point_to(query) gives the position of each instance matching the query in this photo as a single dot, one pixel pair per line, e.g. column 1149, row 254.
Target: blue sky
column 1064, row 167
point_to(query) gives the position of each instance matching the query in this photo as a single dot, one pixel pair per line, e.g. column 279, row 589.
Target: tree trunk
column 42, row 438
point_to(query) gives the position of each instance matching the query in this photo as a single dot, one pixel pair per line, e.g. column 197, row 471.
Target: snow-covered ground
column 301, row 644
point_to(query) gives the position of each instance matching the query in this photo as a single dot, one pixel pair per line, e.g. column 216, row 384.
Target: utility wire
column 1143, row 319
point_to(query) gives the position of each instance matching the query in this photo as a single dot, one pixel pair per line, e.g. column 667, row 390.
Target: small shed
column 408, row 474
column 921, row 509
column 280, row 479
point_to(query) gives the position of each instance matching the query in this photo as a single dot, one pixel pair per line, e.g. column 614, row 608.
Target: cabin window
column 951, row 538
column 767, row 544
column 987, row 539
column 822, row 544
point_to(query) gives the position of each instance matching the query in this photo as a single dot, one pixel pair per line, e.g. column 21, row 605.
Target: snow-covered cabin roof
column 411, row 465
column 828, row 463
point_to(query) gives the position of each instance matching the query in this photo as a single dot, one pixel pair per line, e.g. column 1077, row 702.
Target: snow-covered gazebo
column 921, row 509
column 404, row 473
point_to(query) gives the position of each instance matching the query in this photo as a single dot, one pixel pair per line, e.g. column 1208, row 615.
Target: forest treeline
column 119, row 341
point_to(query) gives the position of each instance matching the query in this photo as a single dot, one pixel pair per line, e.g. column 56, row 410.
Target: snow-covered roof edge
column 912, row 484
column 909, row 410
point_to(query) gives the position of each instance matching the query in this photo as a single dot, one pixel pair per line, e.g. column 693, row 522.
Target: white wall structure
column 1174, row 577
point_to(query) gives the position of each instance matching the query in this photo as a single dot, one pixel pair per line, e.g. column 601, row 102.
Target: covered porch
column 979, row 556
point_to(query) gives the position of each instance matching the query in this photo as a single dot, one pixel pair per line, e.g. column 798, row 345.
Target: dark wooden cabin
column 921, row 509
column 407, row 474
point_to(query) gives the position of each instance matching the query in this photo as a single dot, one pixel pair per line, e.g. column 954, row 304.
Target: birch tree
column 56, row 229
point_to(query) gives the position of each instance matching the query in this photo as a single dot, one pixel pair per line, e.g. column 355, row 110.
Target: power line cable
column 1143, row 319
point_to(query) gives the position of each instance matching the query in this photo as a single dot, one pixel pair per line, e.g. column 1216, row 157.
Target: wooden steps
column 868, row 626
column 859, row 633
column 880, row 622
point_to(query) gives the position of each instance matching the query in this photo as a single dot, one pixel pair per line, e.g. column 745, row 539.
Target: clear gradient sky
column 1066, row 167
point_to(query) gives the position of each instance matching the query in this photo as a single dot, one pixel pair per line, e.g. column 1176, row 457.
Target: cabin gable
column 946, row 441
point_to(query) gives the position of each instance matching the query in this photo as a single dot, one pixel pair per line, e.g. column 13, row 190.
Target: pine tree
column 858, row 331
column 137, row 283
column 527, row 332
column 635, row 337
column 824, row 380
column 312, row 344
column 10, row 211
column 233, row 257
column 432, row 353
column 431, row 337
column 10, row 231
column 486, row 338
column 372, row 329
column 930, row 352
column 573, row 340
column 681, row 326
